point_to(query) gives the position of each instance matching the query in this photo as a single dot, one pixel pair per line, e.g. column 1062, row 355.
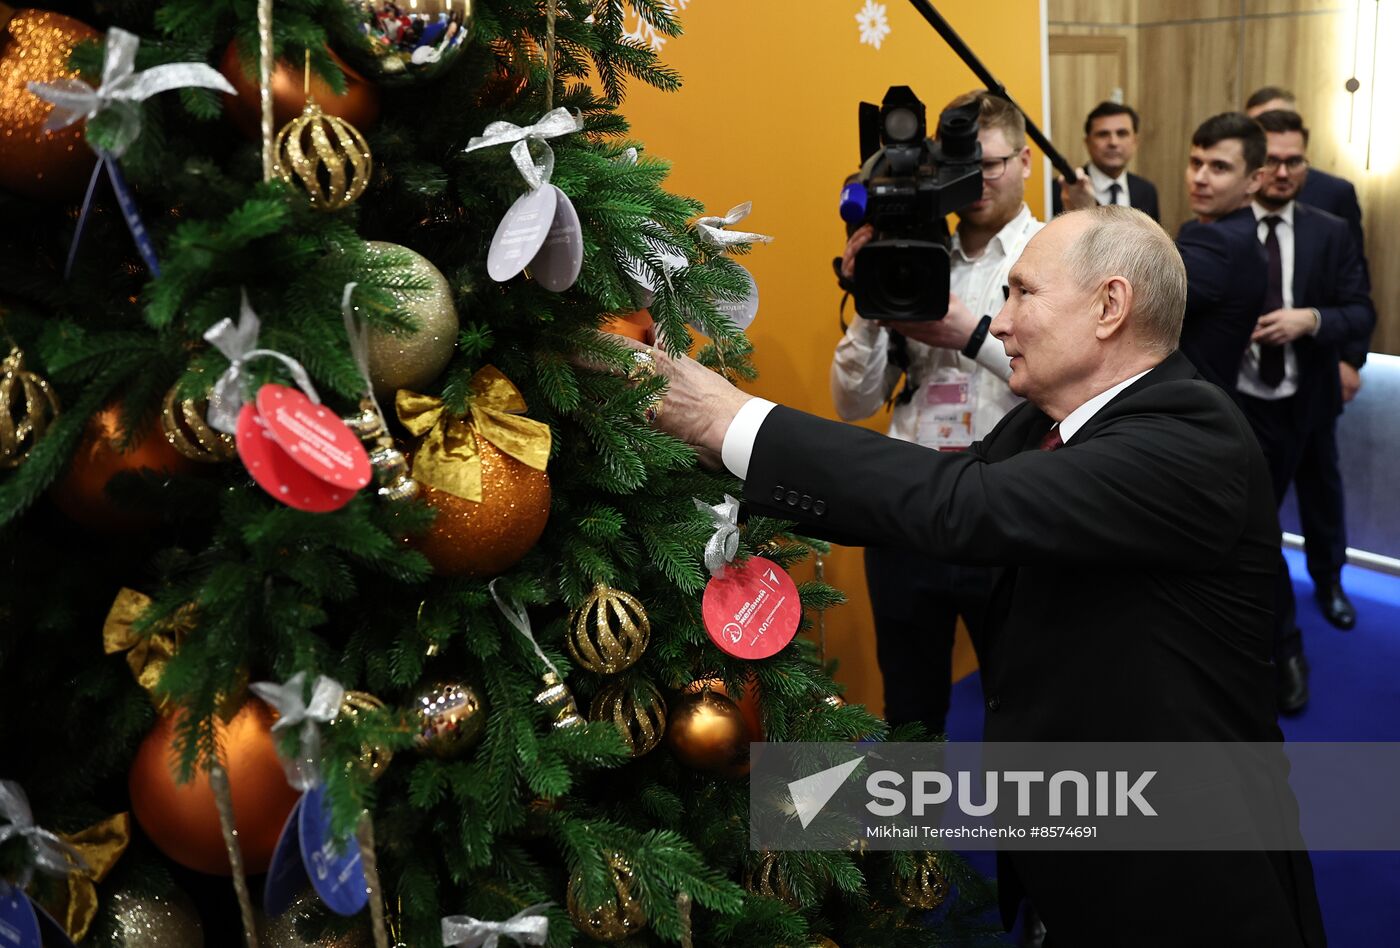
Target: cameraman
column 954, row 393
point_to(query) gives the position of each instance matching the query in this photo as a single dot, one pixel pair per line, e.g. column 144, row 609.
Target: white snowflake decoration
column 874, row 23
column 644, row 32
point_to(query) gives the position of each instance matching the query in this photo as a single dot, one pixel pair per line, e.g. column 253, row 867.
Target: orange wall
column 767, row 114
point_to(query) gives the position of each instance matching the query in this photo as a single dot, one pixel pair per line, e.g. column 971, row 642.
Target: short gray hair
column 1122, row 241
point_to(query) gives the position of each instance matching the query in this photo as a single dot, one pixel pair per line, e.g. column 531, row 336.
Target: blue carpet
column 1355, row 686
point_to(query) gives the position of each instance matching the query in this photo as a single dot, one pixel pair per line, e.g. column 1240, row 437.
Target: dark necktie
column 1271, row 357
column 1051, row 441
column 1114, row 190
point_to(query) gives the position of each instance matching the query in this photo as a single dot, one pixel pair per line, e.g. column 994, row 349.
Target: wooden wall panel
column 1186, row 74
column 1091, row 11
column 1183, row 11
column 1085, row 70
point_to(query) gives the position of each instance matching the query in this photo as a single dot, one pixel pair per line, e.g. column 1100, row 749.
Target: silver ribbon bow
column 303, row 771
column 712, row 228
column 536, row 173
column 51, row 854
column 238, row 342
column 723, row 546
column 526, row 927
column 122, row 89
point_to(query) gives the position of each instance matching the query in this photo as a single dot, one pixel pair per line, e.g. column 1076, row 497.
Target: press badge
column 945, row 413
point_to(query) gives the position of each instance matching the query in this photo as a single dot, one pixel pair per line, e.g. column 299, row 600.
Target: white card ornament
column 712, row 231
column 541, row 230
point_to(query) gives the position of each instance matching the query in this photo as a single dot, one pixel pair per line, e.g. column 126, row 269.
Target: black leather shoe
column 1335, row 605
column 1292, row 684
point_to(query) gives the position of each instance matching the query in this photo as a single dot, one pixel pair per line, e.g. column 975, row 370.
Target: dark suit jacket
column 1226, row 278
column 1135, row 605
column 1335, row 195
column 1328, row 275
column 1142, row 194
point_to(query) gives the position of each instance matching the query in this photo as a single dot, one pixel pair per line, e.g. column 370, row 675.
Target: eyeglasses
column 1295, row 163
column 993, row 168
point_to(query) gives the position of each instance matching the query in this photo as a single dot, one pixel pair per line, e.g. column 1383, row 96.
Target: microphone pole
column 984, row 75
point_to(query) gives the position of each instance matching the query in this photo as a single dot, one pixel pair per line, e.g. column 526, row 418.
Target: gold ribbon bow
column 146, row 654
column 100, row 846
column 448, row 457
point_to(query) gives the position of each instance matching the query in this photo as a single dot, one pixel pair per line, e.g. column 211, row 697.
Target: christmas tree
column 292, row 434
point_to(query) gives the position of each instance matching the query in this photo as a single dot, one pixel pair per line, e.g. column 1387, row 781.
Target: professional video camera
column 906, row 188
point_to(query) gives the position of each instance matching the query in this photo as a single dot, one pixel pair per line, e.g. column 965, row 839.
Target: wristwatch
column 979, row 336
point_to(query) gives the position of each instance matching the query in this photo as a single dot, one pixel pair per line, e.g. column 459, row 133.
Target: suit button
column 792, row 498
column 993, row 703
column 819, row 508
column 806, row 503
column 778, row 493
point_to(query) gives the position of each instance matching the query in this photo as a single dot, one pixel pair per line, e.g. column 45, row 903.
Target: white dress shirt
column 737, row 450
column 862, row 378
column 1248, row 381
column 1102, row 183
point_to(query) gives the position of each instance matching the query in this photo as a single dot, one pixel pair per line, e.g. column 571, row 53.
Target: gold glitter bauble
column 636, row 709
column 308, row 914
column 926, row 888
column 325, row 156
column 615, row 919
column 142, row 920
column 374, row 758
column 185, row 427
column 767, row 877
column 412, row 358
column 557, row 697
column 451, row 718
column 34, row 47
column 707, row 731
column 486, row 539
column 27, row 405
column 608, row 632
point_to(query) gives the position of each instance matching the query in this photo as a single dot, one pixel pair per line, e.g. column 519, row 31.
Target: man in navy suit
column 1111, row 138
column 1226, row 269
column 1318, row 482
column 1318, row 301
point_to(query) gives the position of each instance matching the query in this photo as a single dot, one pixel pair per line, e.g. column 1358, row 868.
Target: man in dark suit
column 1319, row 300
column 1226, row 268
column 1111, row 138
column 1318, row 482
column 1130, row 508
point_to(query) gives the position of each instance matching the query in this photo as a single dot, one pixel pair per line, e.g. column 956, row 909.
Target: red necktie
column 1052, row 440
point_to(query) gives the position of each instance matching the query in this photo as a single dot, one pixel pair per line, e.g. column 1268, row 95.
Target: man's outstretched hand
column 698, row 405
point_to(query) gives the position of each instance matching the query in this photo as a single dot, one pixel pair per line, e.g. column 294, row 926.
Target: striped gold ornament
column 324, row 156
column 184, row 425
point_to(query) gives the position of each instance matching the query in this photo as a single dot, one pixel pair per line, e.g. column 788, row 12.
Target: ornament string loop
column 357, row 330
column 50, row 852
column 723, row 545
column 303, row 771
column 517, row 616
column 526, row 927
column 122, row 90
column 712, row 229
column 535, row 172
column 238, row 342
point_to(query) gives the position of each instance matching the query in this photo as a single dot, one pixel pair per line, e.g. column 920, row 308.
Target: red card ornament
column 314, row 437
column 277, row 473
column 753, row 610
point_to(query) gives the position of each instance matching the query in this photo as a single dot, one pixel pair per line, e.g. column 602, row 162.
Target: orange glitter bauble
column 183, row 820
column 636, row 325
column 359, row 105
column 82, row 491
column 53, row 166
column 486, row 539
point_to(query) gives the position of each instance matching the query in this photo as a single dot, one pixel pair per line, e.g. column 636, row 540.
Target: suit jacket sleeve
column 1164, row 489
column 1348, row 318
column 1145, row 198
